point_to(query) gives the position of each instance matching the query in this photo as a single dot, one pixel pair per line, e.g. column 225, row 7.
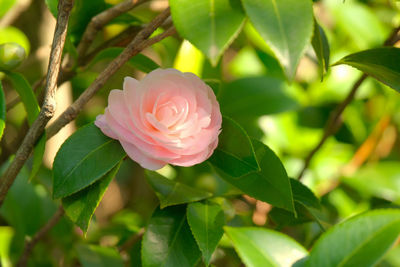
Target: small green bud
column 11, row 56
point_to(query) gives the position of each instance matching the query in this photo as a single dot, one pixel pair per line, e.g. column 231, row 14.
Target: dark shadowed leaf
column 80, row 161
column 360, row 241
column 168, row 240
column 254, row 97
column 380, row 63
column 235, row 154
column 262, row 247
column 285, row 25
column 173, row 193
column 80, row 206
column 206, row 220
column 211, row 25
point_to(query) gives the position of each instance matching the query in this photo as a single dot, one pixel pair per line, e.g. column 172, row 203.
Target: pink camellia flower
column 167, row 117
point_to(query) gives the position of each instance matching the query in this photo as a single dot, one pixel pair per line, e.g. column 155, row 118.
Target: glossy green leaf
column 206, row 220
column 321, row 47
column 285, row 25
column 168, row 241
column 80, row 161
column 270, row 184
column 80, row 206
column 2, row 111
column 381, row 180
column 259, row 247
column 254, row 97
column 173, row 193
column 235, row 154
column 32, row 109
column 360, row 241
column 140, row 61
column 380, row 63
column 211, row 25
column 96, row 256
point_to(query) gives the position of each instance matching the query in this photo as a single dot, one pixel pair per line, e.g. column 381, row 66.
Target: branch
column 49, row 105
column 133, row 48
column 29, row 245
column 333, row 124
column 334, row 121
column 14, row 13
column 98, row 22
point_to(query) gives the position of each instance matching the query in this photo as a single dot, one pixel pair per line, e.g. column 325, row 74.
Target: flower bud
column 11, row 56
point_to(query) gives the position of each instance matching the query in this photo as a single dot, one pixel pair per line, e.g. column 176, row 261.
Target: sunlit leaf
column 260, row 247
column 211, row 25
column 285, row 25
column 360, row 241
column 380, row 63
column 206, row 220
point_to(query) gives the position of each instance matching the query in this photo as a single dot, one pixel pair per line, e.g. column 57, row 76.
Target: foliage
column 269, row 65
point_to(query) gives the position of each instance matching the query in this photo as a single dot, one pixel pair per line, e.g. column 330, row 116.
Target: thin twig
column 335, row 121
column 333, row 124
column 131, row 241
column 49, row 105
column 101, row 19
column 134, row 47
column 29, row 245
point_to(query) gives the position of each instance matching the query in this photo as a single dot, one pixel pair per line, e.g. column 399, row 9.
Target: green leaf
column 84, row 158
column 259, row 247
column 173, row 193
column 96, row 256
column 211, row 26
column 307, row 207
column 206, row 220
column 2, row 111
column 32, row 109
column 321, row 47
column 360, row 241
column 168, row 241
column 254, row 97
column 52, row 5
column 235, row 154
column 285, row 25
column 80, row 206
column 140, row 61
column 270, row 183
column 304, row 195
column 25, row 92
column 380, row 63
